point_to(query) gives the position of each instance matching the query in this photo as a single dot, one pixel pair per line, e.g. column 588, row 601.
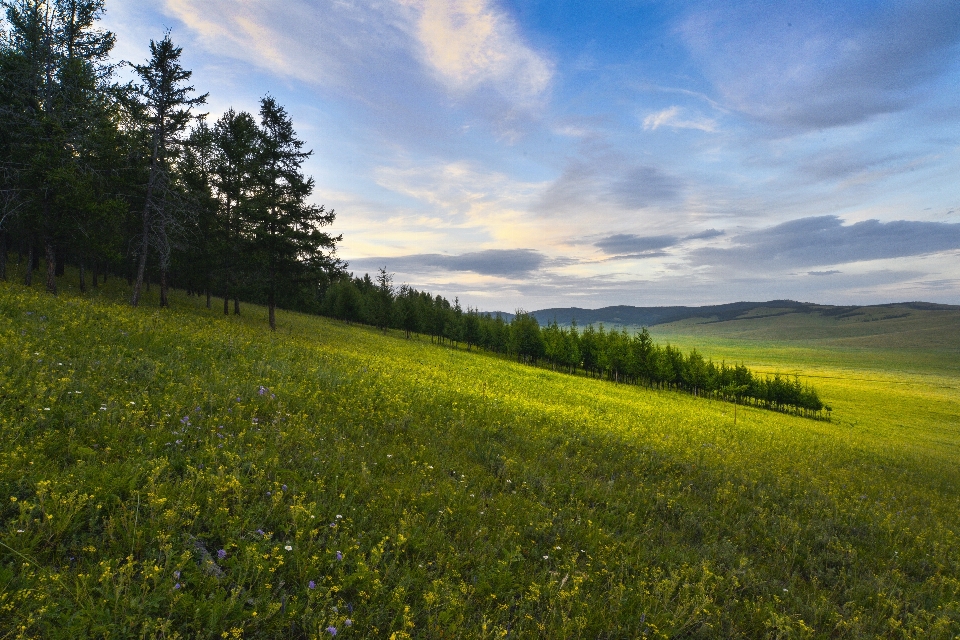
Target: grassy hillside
column 177, row 473
column 892, row 370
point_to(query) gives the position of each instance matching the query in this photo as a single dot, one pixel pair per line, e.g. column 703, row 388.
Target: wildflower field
column 177, row 473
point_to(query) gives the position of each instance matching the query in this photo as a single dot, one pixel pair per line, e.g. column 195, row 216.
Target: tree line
column 614, row 355
column 129, row 178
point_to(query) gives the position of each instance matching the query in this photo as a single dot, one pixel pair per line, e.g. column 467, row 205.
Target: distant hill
column 651, row 316
column 905, row 325
column 899, row 326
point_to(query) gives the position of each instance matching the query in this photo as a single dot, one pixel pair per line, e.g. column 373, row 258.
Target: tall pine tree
column 236, row 140
column 167, row 109
column 290, row 248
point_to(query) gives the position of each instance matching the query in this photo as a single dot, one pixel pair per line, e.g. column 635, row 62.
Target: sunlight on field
column 178, row 472
column 891, row 397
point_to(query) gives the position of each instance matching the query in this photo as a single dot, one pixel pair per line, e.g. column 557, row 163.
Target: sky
column 553, row 153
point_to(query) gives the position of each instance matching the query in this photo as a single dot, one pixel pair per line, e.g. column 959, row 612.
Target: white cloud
column 316, row 42
column 671, row 118
column 469, row 43
column 490, row 204
column 466, row 45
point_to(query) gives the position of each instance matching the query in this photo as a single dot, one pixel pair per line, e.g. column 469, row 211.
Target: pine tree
column 287, row 242
column 167, row 113
column 236, row 139
column 383, row 299
column 195, row 174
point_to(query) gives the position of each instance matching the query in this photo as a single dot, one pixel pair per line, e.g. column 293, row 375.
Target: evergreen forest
column 130, row 178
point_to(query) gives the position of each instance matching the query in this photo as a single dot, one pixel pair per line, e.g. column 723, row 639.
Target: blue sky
column 528, row 153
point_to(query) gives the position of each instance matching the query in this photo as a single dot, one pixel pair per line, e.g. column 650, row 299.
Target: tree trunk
column 61, row 261
column 226, row 300
column 208, row 297
column 236, row 306
column 3, row 255
column 145, row 244
column 28, row 276
column 164, row 302
column 83, row 281
column 51, row 255
column 142, row 262
column 96, row 273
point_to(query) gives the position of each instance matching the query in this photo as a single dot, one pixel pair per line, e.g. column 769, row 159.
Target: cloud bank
column 646, row 246
column 507, row 263
column 825, row 240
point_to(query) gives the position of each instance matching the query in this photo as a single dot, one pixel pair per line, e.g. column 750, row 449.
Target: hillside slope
column 179, row 472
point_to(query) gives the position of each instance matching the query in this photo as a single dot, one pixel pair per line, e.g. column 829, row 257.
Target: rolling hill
column 650, row 316
column 910, row 325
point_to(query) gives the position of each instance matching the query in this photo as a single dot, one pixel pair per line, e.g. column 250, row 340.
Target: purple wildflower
column 260, row 532
column 176, row 574
column 176, row 586
column 348, row 622
column 332, row 630
column 185, row 419
column 256, row 420
column 284, row 487
column 262, row 390
column 311, row 585
column 221, row 554
column 273, row 396
column 339, row 556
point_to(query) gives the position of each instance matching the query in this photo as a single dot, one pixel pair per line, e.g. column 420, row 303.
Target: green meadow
column 177, row 473
column 892, row 373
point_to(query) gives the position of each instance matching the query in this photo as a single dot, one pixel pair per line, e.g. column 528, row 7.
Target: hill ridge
column 651, row 316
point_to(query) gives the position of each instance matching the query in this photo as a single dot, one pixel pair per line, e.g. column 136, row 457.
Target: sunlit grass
column 429, row 492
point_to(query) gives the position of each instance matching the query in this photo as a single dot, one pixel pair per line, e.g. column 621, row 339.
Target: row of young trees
column 128, row 178
column 614, row 355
